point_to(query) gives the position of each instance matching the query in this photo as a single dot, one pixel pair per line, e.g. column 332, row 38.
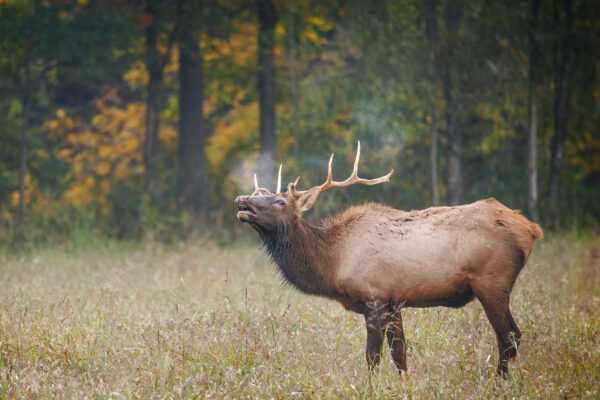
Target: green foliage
column 357, row 70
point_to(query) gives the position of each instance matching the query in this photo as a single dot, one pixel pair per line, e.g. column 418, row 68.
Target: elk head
column 266, row 211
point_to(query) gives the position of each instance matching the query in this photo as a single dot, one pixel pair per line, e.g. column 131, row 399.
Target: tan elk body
column 375, row 260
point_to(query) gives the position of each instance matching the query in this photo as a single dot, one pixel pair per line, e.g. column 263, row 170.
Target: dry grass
column 202, row 321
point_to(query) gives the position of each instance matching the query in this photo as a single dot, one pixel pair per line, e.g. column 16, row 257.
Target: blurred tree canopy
column 146, row 116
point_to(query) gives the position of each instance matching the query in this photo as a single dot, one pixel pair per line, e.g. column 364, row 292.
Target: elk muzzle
column 246, row 213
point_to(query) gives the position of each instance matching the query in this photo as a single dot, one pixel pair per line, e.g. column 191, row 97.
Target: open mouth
column 245, row 213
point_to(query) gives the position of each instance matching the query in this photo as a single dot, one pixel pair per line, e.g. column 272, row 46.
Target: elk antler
column 279, row 180
column 353, row 179
column 262, row 191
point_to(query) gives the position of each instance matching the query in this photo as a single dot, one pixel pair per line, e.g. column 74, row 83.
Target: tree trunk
column 293, row 79
column 433, row 158
column 153, row 63
column 193, row 186
column 453, row 18
column 532, row 159
column 267, row 17
column 455, row 188
column 444, row 65
column 431, row 30
column 563, row 60
column 22, row 166
column 532, row 189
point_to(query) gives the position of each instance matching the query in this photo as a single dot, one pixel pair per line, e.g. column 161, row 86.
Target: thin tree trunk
column 192, row 133
column 267, row 17
column 563, row 61
column 433, row 158
column 532, row 189
column 455, row 188
column 293, row 79
column 532, row 159
column 431, row 30
column 153, row 62
column 453, row 16
column 22, row 165
column 444, row 63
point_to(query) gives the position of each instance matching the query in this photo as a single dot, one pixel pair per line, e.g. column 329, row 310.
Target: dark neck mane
column 305, row 255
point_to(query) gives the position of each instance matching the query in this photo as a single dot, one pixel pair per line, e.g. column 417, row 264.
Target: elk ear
column 307, row 199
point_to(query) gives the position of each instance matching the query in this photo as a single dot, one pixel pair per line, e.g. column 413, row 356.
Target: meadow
column 198, row 320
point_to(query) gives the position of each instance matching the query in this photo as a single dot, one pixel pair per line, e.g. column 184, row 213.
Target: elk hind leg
column 396, row 341
column 507, row 333
column 375, row 321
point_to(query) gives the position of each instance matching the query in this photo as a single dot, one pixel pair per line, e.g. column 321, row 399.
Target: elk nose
column 238, row 200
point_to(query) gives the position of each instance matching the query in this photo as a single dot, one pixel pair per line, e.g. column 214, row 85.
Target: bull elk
column 374, row 259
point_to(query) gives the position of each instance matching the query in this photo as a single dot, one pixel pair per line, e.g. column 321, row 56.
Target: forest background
column 144, row 119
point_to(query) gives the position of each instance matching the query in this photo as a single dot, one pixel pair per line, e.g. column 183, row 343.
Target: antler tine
column 279, row 180
column 292, row 188
column 258, row 191
column 329, row 173
column 355, row 170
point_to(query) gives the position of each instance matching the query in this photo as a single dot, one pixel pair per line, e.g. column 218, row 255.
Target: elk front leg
column 395, row 336
column 375, row 323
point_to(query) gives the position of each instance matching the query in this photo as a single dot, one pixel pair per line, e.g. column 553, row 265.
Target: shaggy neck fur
column 305, row 255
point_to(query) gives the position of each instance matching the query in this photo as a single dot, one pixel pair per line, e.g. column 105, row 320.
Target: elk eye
column 280, row 203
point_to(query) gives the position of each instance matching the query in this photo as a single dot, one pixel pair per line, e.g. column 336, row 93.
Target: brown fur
column 374, row 260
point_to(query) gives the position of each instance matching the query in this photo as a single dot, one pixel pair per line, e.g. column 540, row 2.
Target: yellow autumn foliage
column 103, row 168
column 234, row 129
column 30, row 191
column 108, row 151
column 137, row 76
column 241, row 47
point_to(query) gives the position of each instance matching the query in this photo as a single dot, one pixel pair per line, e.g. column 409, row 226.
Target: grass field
column 198, row 320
